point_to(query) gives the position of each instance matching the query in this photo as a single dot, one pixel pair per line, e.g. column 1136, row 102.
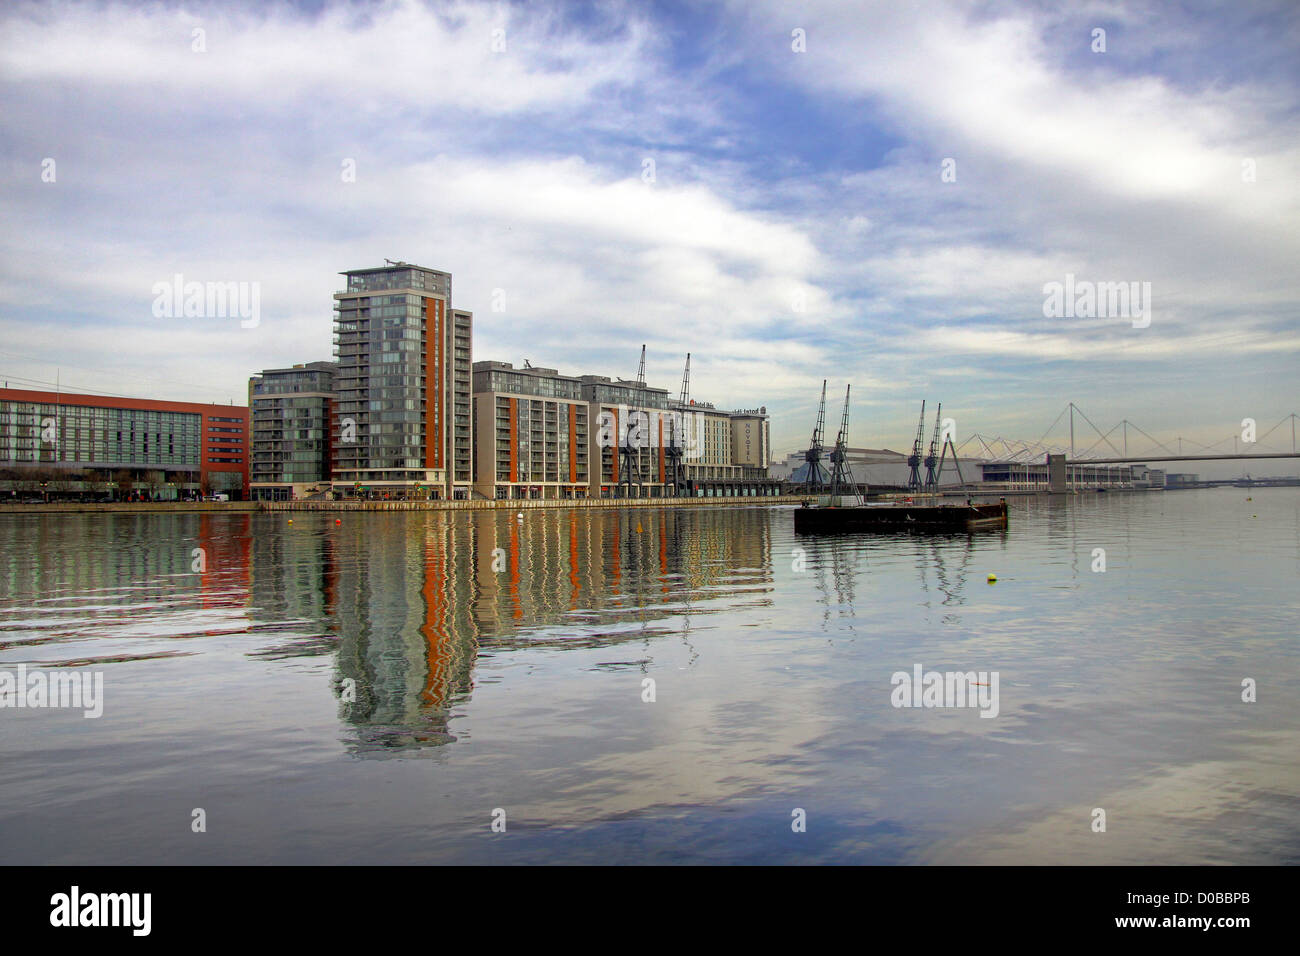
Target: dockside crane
column 814, row 479
column 675, row 448
column 932, row 476
column 914, row 459
column 841, row 473
column 629, row 452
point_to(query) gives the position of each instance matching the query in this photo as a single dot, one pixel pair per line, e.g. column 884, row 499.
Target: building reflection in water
column 152, row 554
column 409, row 600
column 89, row 589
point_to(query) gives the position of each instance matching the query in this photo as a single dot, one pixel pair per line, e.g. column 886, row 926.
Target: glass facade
column 544, row 383
column 605, row 392
column 75, row 446
column 403, row 382
column 380, row 385
column 84, row 436
column 462, row 432
column 399, row 277
column 291, row 412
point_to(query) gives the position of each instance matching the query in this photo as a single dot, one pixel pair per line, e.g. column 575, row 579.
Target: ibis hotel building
column 401, row 411
column 58, row 445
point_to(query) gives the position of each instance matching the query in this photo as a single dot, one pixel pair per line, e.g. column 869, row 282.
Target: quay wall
column 249, row 507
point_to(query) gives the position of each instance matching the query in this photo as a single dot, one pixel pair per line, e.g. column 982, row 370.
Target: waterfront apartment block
column 623, row 412
column 531, row 428
column 402, row 390
column 540, row 434
column 57, row 445
column 292, row 414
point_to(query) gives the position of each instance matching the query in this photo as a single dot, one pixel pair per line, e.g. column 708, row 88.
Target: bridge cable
column 1118, row 453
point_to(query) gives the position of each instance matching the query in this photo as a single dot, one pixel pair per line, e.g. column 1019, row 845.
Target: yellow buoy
column 992, row 577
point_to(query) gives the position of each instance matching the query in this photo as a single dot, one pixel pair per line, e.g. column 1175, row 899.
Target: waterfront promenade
column 237, row 507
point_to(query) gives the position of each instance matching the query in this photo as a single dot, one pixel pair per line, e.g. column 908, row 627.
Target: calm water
column 521, row 688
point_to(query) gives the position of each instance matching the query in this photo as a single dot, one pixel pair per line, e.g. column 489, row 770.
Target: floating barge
column 899, row 516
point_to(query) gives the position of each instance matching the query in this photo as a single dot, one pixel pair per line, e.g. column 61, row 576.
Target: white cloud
column 521, row 171
column 354, row 59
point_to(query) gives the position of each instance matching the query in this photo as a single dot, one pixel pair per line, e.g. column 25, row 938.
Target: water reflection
column 950, row 560
column 411, row 600
column 836, row 560
column 296, row 654
column 123, row 582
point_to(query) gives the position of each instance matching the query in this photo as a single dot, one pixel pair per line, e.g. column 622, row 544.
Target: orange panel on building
column 573, row 443
column 514, row 444
column 434, row 437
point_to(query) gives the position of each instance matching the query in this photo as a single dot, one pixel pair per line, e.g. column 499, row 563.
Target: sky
column 878, row 195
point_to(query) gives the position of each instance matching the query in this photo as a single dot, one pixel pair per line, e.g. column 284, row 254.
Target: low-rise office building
column 1034, row 476
column 59, row 445
column 1144, row 477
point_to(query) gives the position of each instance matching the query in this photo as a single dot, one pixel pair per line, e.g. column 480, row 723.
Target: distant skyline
column 875, row 194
